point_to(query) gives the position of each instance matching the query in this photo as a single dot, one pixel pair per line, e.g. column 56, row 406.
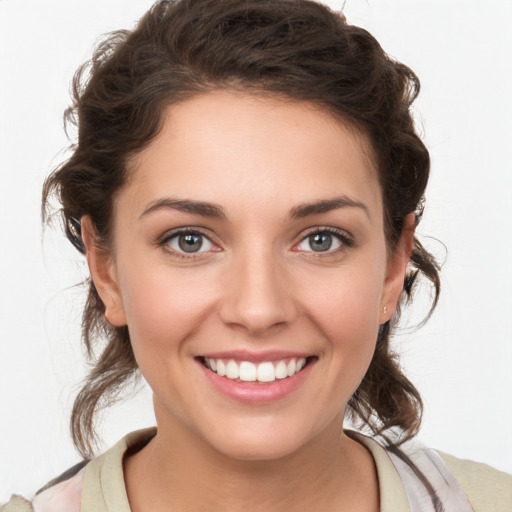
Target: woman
column 245, row 187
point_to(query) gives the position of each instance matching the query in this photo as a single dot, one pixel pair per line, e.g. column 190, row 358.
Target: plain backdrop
column 460, row 360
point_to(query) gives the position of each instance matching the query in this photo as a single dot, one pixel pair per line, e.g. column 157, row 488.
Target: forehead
column 235, row 147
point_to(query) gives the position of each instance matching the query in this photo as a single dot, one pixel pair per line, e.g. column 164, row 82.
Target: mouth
column 263, row 372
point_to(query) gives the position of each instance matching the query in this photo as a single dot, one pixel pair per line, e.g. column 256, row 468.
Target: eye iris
column 190, row 242
column 320, row 242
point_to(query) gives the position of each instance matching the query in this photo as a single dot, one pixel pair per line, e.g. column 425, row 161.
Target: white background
column 460, row 361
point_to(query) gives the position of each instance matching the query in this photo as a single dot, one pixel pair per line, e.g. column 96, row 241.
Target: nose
column 258, row 294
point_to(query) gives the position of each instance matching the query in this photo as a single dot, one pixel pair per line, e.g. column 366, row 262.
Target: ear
column 103, row 274
column 396, row 270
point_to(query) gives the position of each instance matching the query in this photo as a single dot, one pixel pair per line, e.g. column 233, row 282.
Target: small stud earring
column 385, row 310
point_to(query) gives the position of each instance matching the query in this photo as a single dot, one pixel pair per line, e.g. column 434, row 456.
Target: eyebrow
column 217, row 212
column 326, row 205
column 184, row 205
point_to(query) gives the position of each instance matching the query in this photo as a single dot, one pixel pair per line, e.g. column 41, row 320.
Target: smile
column 266, row 371
column 256, row 378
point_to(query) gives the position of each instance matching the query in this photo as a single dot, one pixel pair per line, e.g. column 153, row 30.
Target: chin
column 261, row 448
column 261, row 440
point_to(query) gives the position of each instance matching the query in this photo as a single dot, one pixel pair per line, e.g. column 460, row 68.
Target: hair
column 296, row 49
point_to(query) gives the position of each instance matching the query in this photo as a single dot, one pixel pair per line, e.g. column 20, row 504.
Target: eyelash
column 345, row 239
column 166, row 239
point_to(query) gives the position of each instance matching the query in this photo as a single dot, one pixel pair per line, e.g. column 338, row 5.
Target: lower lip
column 256, row 392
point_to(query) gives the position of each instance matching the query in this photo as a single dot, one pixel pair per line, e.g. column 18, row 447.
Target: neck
column 332, row 472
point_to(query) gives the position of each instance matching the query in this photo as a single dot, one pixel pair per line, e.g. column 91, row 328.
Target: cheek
column 346, row 300
column 351, row 323
column 163, row 308
column 346, row 313
column 163, row 314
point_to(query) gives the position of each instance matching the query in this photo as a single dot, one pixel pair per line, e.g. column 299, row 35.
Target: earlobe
column 102, row 270
column 396, row 270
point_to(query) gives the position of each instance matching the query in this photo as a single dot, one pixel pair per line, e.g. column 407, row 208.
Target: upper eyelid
column 325, row 229
column 184, row 230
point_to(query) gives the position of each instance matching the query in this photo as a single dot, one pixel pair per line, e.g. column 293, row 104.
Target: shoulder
column 17, row 504
column 486, row 488
column 96, row 485
column 62, row 494
column 430, row 478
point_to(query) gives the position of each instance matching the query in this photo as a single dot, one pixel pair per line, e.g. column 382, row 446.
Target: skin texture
column 256, row 286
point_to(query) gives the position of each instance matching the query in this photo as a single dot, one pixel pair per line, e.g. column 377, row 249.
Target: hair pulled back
column 295, row 49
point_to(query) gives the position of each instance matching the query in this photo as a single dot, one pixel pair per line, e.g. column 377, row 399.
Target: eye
column 324, row 241
column 189, row 242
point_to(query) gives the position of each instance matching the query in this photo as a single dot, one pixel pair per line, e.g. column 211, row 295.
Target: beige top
column 99, row 487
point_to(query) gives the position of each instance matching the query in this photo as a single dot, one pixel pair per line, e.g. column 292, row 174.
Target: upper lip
column 256, row 357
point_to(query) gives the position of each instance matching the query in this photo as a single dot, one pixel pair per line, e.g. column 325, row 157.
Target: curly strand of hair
column 432, row 493
column 107, row 378
column 386, row 393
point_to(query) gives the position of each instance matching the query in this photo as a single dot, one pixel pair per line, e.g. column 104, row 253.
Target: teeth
column 232, row 370
column 247, row 371
column 250, row 372
column 266, row 372
column 281, row 370
column 221, row 367
column 291, row 368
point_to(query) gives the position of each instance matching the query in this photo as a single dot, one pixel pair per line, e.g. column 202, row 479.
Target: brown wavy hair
column 296, row 49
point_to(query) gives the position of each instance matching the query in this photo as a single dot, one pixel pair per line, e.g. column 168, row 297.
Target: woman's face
column 249, row 240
